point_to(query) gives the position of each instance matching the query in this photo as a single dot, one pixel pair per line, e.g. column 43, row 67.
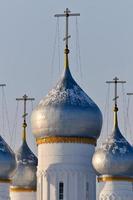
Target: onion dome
column 7, row 161
column 67, row 111
column 115, row 156
column 25, row 177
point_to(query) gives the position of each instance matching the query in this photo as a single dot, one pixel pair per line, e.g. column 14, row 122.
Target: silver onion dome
column 66, row 111
column 25, row 176
column 7, row 161
column 115, row 156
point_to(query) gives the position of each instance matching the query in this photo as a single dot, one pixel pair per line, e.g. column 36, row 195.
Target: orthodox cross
column 25, row 98
column 67, row 14
column 115, row 81
column 130, row 93
column 2, row 85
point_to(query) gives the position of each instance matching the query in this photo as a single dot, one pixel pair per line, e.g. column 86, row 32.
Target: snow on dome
column 115, row 156
column 25, row 176
column 7, row 161
column 67, row 111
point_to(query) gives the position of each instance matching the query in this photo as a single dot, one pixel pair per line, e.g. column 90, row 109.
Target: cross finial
column 2, row 85
column 25, row 98
column 67, row 14
column 116, row 81
column 130, row 93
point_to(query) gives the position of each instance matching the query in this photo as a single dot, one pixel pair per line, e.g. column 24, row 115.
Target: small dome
column 115, row 156
column 67, row 111
column 7, row 161
column 25, row 176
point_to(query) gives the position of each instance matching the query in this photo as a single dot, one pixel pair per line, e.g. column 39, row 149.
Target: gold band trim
column 57, row 139
column 5, row 181
column 110, row 179
column 15, row 189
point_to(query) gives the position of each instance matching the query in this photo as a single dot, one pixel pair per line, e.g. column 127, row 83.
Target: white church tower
column 66, row 124
column 23, row 186
column 113, row 162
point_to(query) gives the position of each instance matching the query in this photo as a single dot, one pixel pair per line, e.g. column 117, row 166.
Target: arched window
column 61, row 190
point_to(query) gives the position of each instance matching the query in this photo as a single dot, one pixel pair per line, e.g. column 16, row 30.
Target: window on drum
column 61, row 190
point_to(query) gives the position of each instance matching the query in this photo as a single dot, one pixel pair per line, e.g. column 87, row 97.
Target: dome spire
column 67, row 14
column 25, row 177
column 64, row 106
column 115, row 81
column 113, row 161
column 25, row 98
column 7, row 160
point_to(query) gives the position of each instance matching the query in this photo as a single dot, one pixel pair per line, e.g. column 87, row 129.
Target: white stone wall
column 4, row 191
column 68, row 163
column 117, row 191
column 23, row 196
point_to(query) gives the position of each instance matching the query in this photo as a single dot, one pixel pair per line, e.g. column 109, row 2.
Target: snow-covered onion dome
column 114, row 159
column 7, row 161
column 25, row 176
column 67, row 111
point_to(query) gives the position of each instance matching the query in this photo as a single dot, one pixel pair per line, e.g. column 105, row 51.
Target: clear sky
column 27, row 32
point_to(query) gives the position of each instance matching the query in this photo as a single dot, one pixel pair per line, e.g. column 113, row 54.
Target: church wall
column 70, row 165
column 117, row 191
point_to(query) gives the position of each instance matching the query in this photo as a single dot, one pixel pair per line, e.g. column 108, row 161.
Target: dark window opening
column 61, row 191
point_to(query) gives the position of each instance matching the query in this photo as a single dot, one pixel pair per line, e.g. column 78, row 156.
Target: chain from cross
column 25, row 98
column 67, row 14
column 115, row 81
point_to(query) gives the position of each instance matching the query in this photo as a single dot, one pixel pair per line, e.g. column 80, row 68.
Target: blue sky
column 27, row 31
